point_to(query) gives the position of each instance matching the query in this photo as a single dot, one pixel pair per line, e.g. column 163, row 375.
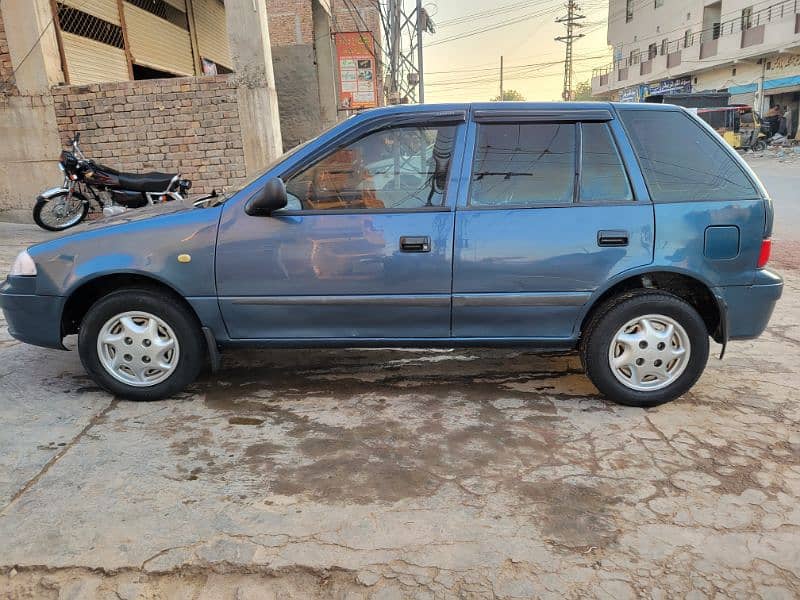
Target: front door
column 362, row 251
column 549, row 216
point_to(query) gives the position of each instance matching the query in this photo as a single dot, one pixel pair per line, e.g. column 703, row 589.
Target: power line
column 494, row 26
column 570, row 21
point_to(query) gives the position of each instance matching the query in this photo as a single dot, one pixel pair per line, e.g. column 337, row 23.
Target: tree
column 583, row 91
column 510, row 96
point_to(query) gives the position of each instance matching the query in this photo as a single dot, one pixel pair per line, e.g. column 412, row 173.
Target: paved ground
column 387, row 474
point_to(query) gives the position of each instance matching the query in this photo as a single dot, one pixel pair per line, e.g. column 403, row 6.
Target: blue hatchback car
column 630, row 232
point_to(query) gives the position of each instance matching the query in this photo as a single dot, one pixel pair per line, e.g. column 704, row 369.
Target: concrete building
column 748, row 48
column 214, row 90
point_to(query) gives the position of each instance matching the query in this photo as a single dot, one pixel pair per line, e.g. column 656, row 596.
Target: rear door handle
column 415, row 243
column 612, row 237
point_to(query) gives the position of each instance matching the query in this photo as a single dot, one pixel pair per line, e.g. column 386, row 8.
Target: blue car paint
column 255, row 280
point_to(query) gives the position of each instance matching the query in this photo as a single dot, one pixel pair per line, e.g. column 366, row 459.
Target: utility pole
column 402, row 31
column 501, row 78
column 571, row 21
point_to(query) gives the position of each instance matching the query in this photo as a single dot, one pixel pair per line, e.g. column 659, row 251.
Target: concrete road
column 393, row 474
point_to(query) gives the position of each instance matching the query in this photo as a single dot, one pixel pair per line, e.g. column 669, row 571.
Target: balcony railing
column 750, row 29
column 752, row 36
column 708, row 48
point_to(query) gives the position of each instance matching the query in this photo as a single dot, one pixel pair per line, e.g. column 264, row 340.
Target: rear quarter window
column 681, row 161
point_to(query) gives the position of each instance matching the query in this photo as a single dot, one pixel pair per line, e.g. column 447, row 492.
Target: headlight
column 23, row 266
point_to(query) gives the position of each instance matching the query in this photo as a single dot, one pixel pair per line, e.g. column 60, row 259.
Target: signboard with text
column 358, row 85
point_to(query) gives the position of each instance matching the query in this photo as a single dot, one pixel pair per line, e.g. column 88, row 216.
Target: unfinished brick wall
column 357, row 15
column 290, row 22
column 188, row 125
column 7, row 85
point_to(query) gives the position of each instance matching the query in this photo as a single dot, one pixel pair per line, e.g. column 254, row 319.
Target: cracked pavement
column 401, row 474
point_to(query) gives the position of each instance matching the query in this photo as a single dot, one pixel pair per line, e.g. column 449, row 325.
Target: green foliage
column 510, row 96
column 583, row 91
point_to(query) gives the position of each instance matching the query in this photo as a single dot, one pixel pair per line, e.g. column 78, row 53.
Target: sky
column 467, row 68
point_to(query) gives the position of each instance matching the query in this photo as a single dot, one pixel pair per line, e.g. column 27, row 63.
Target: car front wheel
column 141, row 344
column 645, row 348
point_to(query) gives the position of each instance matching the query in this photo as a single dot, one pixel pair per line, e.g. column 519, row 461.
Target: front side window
column 523, row 164
column 681, row 161
column 603, row 177
column 398, row 168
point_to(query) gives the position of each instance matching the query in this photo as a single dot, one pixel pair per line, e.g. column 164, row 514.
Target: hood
column 130, row 216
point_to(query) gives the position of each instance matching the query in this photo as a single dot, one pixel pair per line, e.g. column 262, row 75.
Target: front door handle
column 415, row 243
column 612, row 238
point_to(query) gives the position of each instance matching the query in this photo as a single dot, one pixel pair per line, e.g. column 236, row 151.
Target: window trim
column 578, row 176
column 426, row 119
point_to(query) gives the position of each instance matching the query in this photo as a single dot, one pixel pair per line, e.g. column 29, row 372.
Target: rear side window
column 603, row 177
column 681, row 161
column 523, row 164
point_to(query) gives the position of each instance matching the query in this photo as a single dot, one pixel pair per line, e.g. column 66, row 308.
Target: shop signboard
column 358, row 85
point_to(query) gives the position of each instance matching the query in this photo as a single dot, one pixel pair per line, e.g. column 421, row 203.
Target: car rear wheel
column 645, row 348
column 141, row 344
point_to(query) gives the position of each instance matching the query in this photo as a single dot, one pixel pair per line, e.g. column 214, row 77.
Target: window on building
column 681, row 161
column 398, row 168
column 85, row 25
column 523, row 164
column 633, row 59
column 664, row 46
column 165, row 10
column 603, row 177
column 652, row 51
column 628, row 11
column 747, row 18
column 687, row 38
column 716, row 30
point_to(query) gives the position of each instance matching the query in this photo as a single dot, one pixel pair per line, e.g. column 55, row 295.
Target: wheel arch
column 687, row 286
column 83, row 295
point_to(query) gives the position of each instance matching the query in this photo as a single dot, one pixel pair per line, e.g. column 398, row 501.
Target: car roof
column 400, row 109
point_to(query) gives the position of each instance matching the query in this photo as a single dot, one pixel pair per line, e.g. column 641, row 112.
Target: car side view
column 630, row 232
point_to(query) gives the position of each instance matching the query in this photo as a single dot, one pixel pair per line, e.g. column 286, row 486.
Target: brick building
column 154, row 84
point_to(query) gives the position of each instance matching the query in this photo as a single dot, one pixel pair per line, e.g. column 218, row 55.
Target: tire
column 622, row 321
column 41, row 203
column 169, row 319
column 759, row 146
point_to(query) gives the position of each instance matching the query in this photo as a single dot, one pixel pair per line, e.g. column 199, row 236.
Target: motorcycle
column 90, row 187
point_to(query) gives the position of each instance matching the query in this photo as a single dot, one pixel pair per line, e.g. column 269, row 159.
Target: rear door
column 549, row 215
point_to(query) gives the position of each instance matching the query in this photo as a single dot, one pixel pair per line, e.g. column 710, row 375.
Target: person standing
column 787, row 116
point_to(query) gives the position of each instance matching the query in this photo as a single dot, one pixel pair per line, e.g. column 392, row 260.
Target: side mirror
column 268, row 199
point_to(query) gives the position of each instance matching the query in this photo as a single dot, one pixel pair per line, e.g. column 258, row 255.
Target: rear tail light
column 763, row 256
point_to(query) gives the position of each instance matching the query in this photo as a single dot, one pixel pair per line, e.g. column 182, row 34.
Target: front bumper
column 31, row 318
column 749, row 307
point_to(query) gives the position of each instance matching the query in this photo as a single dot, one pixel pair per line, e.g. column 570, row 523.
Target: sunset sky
column 468, row 68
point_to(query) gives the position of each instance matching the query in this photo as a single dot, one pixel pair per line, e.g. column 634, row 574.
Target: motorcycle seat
column 146, row 182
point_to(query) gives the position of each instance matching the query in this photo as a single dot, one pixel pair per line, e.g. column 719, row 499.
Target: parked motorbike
column 90, row 187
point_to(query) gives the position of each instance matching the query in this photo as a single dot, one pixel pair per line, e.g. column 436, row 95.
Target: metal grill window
column 166, row 11
column 80, row 23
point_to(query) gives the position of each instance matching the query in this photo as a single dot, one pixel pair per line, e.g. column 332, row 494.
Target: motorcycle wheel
column 759, row 146
column 47, row 213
